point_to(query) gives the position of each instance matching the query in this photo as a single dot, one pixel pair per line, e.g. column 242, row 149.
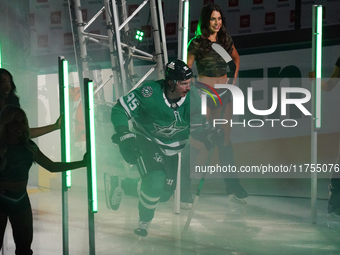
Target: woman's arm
column 331, row 82
column 54, row 167
column 190, row 60
column 39, row 131
column 236, row 57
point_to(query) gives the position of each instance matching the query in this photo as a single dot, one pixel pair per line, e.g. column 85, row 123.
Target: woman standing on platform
column 212, row 69
column 17, row 153
column 334, row 186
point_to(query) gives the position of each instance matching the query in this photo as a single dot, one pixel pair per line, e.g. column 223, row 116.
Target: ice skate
column 186, row 202
column 142, row 229
column 237, row 192
column 113, row 191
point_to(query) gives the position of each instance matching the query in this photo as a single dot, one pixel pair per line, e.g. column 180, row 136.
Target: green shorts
column 153, row 159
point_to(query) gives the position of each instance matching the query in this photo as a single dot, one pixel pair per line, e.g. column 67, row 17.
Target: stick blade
column 191, row 213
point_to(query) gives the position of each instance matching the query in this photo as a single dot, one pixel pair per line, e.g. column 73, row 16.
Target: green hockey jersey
column 153, row 116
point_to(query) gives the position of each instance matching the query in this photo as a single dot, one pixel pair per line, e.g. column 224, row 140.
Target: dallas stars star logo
column 167, row 131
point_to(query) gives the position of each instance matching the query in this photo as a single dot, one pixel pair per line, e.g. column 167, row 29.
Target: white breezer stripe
column 151, row 199
column 147, row 205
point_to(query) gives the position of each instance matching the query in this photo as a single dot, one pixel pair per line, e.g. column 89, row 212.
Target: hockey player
column 161, row 117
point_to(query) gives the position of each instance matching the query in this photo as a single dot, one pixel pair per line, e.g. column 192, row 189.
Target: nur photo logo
column 279, row 97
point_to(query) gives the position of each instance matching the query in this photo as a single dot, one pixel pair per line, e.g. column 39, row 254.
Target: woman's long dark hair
column 203, row 31
column 12, row 97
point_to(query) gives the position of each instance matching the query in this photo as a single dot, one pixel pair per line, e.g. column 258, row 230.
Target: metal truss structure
column 120, row 51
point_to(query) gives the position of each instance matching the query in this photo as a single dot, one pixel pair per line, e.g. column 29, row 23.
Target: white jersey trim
column 126, row 108
column 179, row 103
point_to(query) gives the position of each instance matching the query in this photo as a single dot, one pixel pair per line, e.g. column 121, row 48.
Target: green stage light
column 65, row 144
column 65, row 110
column 185, row 30
column 67, row 121
column 139, row 35
column 317, row 28
column 91, row 144
column 93, row 149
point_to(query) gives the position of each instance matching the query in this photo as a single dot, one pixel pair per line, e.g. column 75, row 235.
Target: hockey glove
column 127, row 146
column 212, row 136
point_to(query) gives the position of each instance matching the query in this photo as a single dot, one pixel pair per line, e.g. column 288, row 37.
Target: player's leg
column 170, row 169
column 151, row 191
column 131, row 186
column 151, row 169
column 116, row 186
column 157, row 186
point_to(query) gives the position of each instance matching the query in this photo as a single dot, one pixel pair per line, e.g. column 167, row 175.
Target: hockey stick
column 198, row 192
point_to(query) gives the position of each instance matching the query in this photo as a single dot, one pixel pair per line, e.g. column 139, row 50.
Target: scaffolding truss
column 117, row 23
